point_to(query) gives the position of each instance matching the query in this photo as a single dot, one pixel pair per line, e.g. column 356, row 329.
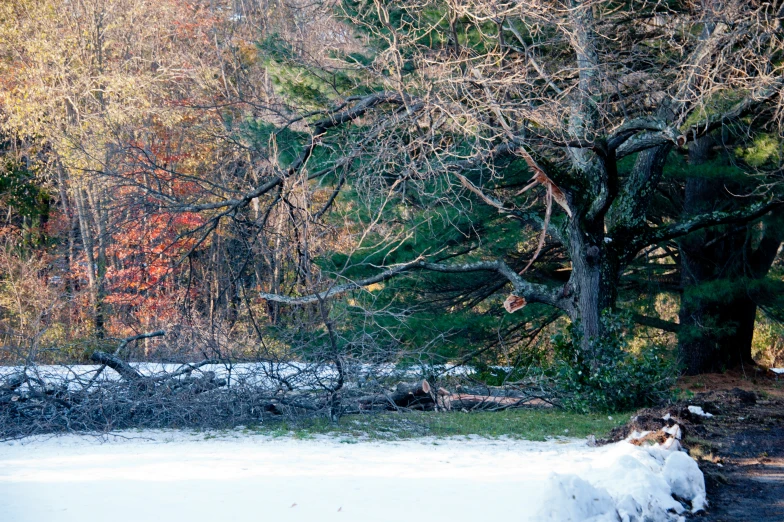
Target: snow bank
column 641, row 481
column 236, row 476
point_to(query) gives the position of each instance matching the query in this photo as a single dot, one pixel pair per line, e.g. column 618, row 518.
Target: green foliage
column 765, row 149
column 678, row 168
column 28, row 202
column 295, row 79
column 263, row 136
column 767, row 290
column 19, row 190
column 452, row 315
column 714, row 104
column 616, row 379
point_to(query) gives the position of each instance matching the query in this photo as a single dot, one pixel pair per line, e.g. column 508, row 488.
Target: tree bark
column 115, row 363
column 95, row 282
column 593, row 282
column 716, row 335
column 408, row 395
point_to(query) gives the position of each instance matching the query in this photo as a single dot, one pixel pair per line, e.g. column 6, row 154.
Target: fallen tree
column 192, row 397
column 224, row 392
column 421, row 395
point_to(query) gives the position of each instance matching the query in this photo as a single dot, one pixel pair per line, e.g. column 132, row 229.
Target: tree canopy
column 382, row 178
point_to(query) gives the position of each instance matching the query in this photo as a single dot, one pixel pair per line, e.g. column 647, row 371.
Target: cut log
column 493, row 391
column 421, row 396
column 462, row 401
column 418, row 395
column 410, row 395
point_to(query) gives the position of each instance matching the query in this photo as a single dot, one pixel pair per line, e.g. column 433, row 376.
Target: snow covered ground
column 77, row 376
column 177, row 476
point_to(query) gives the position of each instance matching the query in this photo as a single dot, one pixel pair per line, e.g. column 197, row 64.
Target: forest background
column 578, row 197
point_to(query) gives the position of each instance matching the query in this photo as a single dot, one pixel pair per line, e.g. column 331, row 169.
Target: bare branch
column 532, row 292
column 688, row 225
column 319, row 128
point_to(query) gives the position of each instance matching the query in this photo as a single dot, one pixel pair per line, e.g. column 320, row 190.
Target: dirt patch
column 741, row 453
column 757, row 379
column 740, row 448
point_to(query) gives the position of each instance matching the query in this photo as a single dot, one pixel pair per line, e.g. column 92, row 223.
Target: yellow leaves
column 248, row 54
column 63, row 85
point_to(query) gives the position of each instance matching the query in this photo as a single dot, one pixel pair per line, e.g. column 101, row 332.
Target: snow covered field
column 176, row 476
column 77, row 376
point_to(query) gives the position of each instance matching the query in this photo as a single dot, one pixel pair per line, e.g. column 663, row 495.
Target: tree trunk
column 115, row 363
column 703, row 255
column 717, row 335
column 593, row 283
column 97, row 199
column 95, row 282
column 70, row 255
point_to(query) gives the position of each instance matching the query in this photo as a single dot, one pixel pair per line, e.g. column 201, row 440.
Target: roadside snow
column 169, row 475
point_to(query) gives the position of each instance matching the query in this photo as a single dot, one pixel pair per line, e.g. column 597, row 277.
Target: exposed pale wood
column 514, row 303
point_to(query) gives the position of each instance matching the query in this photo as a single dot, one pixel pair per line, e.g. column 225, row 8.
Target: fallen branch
column 123, row 343
column 13, row 381
column 116, row 364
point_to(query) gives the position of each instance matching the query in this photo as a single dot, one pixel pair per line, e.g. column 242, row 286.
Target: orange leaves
column 553, row 193
column 514, row 303
column 540, row 178
column 146, row 271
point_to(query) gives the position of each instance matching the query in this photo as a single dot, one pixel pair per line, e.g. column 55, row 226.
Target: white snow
column 674, row 431
column 697, row 410
column 685, row 479
column 237, row 476
column 76, row 376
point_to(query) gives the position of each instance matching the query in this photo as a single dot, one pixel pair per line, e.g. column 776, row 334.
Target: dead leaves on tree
column 553, row 194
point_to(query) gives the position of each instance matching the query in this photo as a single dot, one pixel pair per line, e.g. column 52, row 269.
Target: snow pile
column 570, row 498
column 685, row 479
column 237, row 476
column 630, row 484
